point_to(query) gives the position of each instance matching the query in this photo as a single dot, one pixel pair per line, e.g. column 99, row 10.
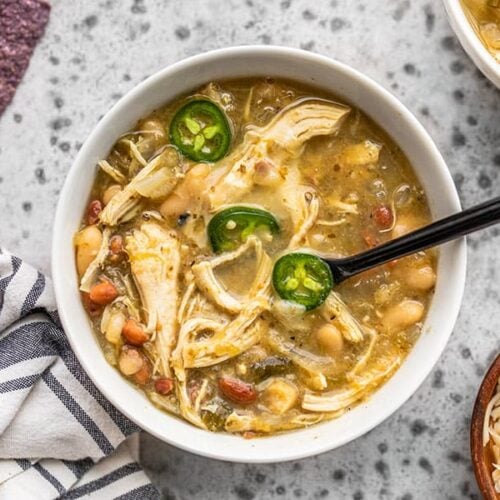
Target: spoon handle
column 434, row 234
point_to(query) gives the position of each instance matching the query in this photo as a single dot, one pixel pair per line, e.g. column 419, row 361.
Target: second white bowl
column 471, row 42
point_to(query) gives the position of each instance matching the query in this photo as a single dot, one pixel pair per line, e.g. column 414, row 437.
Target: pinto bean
column 92, row 308
column 103, row 293
column 116, row 244
column 383, row 216
column 237, row 391
column 134, row 333
column 87, row 242
column 143, row 376
column 116, row 248
column 133, row 363
column 164, row 385
column 130, row 360
column 93, row 211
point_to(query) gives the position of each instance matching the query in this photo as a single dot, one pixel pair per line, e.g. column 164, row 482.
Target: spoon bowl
column 320, row 282
column 439, row 232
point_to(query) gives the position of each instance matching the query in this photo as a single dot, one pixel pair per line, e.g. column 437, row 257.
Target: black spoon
column 434, row 234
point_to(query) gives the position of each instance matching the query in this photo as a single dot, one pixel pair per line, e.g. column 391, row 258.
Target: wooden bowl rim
column 482, row 469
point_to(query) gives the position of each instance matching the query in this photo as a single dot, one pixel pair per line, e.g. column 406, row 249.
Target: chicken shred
column 281, row 140
column 154, row 255
column 157, row 179
column 230, row 340
column 213, row 289
column 342, row 399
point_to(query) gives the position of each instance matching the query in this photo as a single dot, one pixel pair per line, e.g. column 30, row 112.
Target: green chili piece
column 302, row 278
column 270, row 367
column 231, row 227
column 201, row 131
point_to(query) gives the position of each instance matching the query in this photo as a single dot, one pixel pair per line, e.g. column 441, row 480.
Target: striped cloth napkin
column 59, row 437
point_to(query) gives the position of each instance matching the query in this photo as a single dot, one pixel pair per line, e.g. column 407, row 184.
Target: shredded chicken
column 239, row 178
column 134, row 152
column 231, row 340
column 154, row 255
column 156, row 180
column 113, row 172
column 190, row 329
column 335, row 311
column 298, row 123
column 306, row 212
column 343, row 398
column 266, row 422
column 213, row 289
column 312, row 363
column 287, row 132
column 302, row 204
column 363, row 360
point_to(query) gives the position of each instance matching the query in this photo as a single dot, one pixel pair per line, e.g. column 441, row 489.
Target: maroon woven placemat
column 22, row 23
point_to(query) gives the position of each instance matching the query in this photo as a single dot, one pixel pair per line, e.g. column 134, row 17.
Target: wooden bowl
column 481, row 457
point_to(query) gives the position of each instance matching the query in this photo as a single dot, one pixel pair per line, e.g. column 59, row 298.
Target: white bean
column 174, row 206
column 110, row 192
column 87, row 242
column 194, row 182
column 420, row 278
column 330, row 339
column 190, row 188
column 114, row 327
column 404, row 225
column 403, row 315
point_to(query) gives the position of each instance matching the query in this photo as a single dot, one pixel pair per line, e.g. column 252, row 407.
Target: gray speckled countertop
column 95, row 51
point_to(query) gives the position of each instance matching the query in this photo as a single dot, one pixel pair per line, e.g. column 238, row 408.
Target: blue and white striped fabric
column 59, row 437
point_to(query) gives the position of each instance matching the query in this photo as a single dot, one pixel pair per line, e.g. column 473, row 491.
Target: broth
column 202, row 330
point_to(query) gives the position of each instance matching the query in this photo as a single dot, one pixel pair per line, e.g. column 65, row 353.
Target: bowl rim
column 484, row 395
column 316, row 447
column 470, row 41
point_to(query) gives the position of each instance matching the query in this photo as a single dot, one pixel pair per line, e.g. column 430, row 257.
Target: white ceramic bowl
column 354, row 88
column 471, row 42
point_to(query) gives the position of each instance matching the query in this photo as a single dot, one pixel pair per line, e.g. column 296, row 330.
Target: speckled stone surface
column 95, row 51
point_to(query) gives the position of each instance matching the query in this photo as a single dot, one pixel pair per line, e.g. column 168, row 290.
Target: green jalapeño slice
column 302, row 278
column 228, row 229
column 201, row 131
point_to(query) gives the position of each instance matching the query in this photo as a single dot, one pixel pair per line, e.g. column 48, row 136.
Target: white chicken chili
column 484, row 17
column 198, row 265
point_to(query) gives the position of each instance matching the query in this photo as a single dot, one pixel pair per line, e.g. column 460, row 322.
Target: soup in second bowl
column 484, row 16
column 198, row 263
